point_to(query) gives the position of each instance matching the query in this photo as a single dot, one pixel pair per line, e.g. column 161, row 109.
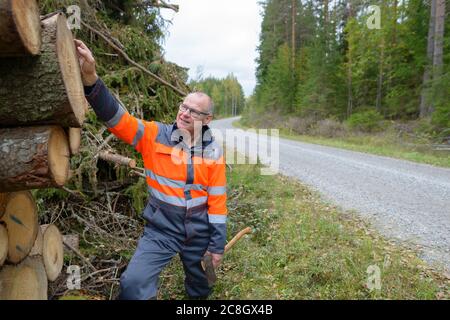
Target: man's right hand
column 87, row 63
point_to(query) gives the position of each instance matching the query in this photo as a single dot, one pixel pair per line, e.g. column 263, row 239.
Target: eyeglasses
column 194, row 113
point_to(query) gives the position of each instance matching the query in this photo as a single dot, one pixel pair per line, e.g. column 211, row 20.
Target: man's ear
column 208, row 119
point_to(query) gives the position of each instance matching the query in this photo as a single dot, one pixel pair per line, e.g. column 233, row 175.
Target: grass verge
column 304, row 248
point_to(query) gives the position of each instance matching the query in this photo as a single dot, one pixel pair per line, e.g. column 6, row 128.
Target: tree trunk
column 33, row 157
column 439, row 35
column 27, row 281
column 52, row 251
column 21, row 218
column 20, row 28
column 394, row 22
column 3, row 244
column 293, row 49
column 380, row 76
column 424, row 108
column 438, row 52
column 349, row 70
column 326, row 29
column 46, row 89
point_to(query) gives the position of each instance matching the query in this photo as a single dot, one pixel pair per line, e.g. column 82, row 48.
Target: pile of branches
column 108, row 234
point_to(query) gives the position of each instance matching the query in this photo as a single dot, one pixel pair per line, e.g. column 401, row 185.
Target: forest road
column 405, row 201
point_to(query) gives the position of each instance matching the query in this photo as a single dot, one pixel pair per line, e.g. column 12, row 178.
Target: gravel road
column 405, row 201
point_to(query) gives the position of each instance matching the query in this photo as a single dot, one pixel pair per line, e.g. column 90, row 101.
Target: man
column 185, row 172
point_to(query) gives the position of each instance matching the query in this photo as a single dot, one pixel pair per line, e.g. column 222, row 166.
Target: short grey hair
column 203, row 95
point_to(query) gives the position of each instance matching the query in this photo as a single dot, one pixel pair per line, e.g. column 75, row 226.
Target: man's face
column 188, row 120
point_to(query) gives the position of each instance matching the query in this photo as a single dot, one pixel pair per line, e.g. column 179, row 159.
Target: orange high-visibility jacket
column 187, row 186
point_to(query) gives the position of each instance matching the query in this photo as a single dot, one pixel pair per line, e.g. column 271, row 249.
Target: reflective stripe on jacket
column 187, row 186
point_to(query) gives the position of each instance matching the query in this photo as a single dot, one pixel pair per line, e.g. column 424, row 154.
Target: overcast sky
column 220, row 36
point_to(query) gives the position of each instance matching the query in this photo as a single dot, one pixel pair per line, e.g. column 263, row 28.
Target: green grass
column 374, row 144
column 304, row 248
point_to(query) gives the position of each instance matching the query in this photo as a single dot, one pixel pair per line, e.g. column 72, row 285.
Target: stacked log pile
column 42, row 108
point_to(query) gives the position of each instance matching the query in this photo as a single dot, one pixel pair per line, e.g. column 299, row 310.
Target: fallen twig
column 49, row 15
column 80, row 255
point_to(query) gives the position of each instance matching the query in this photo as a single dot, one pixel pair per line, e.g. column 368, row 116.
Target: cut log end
column 37, row 248
column 27, row 18
column 52, row 251
column 26, row 281
column 74, row 140
column 21, row 220
column 58, row 156
column 20, row 26
column 70, row 68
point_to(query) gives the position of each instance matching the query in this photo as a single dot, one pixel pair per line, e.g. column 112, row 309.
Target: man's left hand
column 216, row 258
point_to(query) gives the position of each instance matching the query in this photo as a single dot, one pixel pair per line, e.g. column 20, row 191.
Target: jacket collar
column 207, row 137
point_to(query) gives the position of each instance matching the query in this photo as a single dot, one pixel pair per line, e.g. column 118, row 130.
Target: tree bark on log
column 21, row 218
column 26, row 281
column 3, row 244
column 52, row 251
column 33, row 157
column 2, row 203
column 20, row 28
column 46, row 89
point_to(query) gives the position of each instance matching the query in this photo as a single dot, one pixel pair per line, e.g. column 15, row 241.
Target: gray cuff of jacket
column 218, row 237
column 101, row 100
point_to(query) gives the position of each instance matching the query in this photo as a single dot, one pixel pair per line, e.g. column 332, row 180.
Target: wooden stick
column 49, row 15
column 132, row 62
column 80, row 255
column 117, row 158
column 137, row 173
column 236, row 238
column 160, row 4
